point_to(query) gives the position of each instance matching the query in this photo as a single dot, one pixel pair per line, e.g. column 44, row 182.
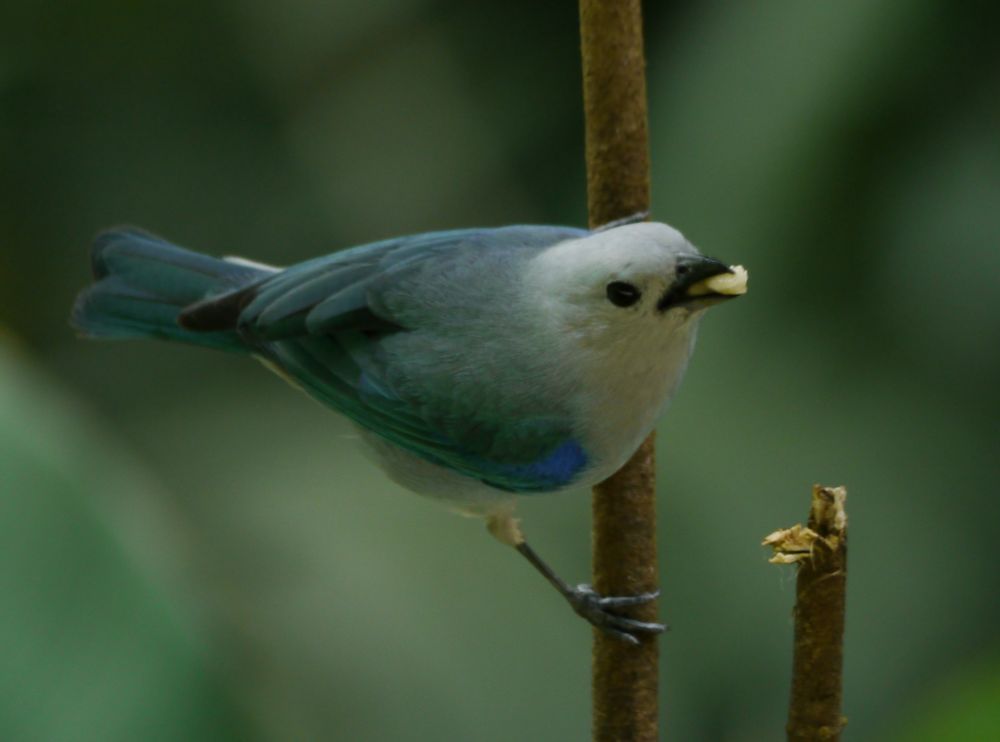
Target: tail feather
column 143, row 282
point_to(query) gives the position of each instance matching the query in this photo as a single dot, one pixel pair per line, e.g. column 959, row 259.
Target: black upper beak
column 692, row 269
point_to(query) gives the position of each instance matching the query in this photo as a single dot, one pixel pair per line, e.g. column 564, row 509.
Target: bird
column 478, row 365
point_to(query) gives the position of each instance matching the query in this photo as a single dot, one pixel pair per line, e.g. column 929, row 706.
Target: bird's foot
column 593, row 606
column 597, row 609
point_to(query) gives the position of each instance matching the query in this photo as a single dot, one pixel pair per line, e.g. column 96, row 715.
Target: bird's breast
column 624, row 394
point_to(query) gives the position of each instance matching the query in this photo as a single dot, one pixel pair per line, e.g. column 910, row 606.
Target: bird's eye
column 623, row 294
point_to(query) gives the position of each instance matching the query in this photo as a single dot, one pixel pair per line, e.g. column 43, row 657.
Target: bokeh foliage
column 190, row 550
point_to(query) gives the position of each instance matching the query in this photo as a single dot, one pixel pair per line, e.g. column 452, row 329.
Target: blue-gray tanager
column 477, row 364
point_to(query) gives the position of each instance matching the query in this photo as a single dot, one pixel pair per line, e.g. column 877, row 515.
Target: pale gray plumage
column 478, row 364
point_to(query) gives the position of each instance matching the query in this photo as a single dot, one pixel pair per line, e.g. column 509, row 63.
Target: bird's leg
column 596, row 608
column 586, row 601
column 639, row 216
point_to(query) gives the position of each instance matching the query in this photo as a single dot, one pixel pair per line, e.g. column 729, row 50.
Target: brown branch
column 820, row 551
column 614, row 103
column 625, row 677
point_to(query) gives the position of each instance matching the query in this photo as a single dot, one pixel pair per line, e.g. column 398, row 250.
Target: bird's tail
column 142, row 282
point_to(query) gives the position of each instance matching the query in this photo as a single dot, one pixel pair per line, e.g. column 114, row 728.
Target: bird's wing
column 348, row 328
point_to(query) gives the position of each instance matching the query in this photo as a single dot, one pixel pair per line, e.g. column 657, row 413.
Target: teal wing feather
column 373, row 333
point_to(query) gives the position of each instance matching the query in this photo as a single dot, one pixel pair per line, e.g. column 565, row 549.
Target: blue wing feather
column 326, row 321
column 301, row 298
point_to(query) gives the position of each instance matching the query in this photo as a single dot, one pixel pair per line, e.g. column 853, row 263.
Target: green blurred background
column 189, row 550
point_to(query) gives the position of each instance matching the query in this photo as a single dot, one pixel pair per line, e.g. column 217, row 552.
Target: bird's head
column 633, row 283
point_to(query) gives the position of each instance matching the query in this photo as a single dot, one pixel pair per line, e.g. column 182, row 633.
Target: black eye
column 623, row 294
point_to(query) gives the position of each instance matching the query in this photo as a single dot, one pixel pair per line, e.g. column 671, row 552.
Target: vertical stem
column 820, row 552
column 625, row 677
column 820, row 593
column 614, row 103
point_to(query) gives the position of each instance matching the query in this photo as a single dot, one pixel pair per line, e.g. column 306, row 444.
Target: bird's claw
column 597, row 608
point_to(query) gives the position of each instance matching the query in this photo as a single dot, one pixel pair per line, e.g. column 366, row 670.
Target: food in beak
column 727, row 284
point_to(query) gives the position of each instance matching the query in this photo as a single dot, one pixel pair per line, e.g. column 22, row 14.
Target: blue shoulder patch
column 555, row 470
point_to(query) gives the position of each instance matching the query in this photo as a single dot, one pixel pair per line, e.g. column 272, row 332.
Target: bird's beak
column 701, row 282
